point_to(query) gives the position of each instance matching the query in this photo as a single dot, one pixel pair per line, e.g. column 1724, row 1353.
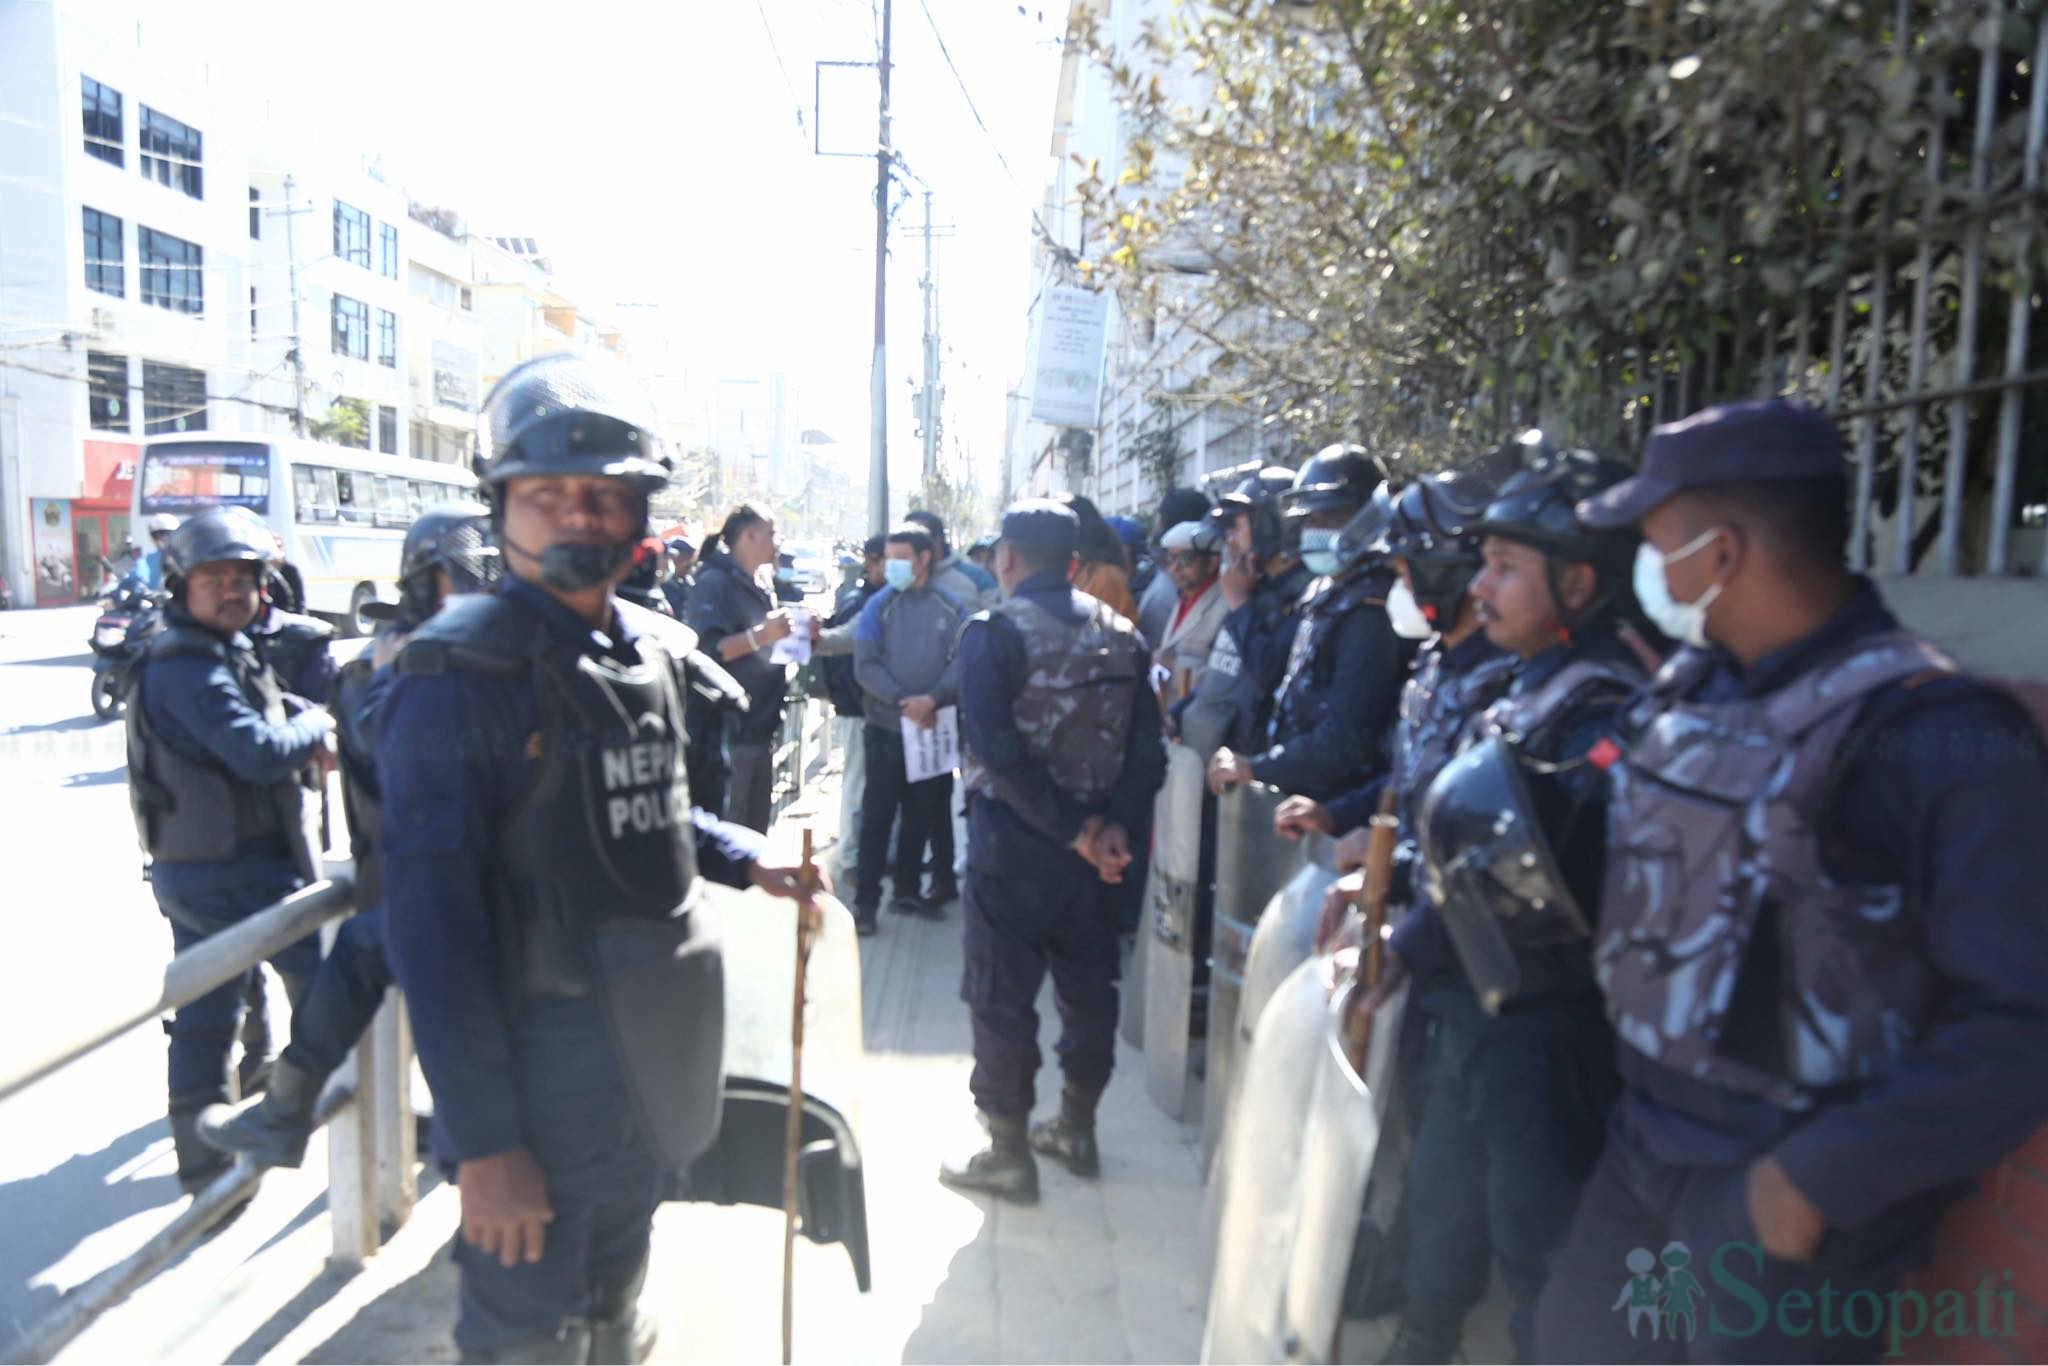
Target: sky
column 655, row 151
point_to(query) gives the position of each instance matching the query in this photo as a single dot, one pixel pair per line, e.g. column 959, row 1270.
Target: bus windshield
column 183, row 478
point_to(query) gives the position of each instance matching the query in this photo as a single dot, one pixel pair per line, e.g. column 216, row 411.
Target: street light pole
column 291, row 257
column 878, row 397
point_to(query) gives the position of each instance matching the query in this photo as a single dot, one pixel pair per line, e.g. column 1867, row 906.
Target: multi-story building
column 442, row 336
column 126, row 272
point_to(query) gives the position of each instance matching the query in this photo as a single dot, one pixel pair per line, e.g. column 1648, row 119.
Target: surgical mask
column 1319, row 551
column 1686, row 621
column 898, row 574
column 1405, row 614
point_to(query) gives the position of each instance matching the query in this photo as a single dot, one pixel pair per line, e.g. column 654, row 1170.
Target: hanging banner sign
column 1073, row 325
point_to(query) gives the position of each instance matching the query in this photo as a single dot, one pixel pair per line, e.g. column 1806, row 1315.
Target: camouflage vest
column 1526, row 719
column 1715, row 866
column 1304, row 694
column 1437, row 706
column 1074, row 714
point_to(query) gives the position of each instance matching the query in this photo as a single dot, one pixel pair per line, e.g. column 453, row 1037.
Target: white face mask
column 1319, row 551
column 1405, row 614
column 1686, row 621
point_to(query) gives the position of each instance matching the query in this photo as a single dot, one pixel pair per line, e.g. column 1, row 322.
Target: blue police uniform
column 295, row 647
column 1031, row 902
column 1945, row 802
column 207, row 705
column 513, row 1061
column 1337, row 697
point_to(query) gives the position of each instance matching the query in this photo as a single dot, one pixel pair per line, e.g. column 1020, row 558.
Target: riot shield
column 1340, row 1174
column 1168, row 930
column 744, row 1166
column 1256, row 1184
column 1131, row 970
column 1251, row 865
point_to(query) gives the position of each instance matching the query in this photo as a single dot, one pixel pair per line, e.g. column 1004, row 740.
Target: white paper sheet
column 928, row 753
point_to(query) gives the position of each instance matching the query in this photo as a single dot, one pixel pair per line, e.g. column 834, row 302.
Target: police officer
column 1062, row 760
column 217, row 759
column 1837, row 1014
column 1519, row 1062
column 295, row 647
column 447, row 551
column 1262, row 581
column 540, row 856
column 1345, row 665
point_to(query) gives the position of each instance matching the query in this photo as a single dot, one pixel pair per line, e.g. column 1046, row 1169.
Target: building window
column 387, row 430
column 104, row 137
column 387, row 338
column 255, row 216
column 351, row 235
column 173, row 271
column 351, row 327
column 467, row 301
column 105, row 266
column 252, row 313
column 107, row 401
column 387, row 250
column 173, row 399
column 171, row 153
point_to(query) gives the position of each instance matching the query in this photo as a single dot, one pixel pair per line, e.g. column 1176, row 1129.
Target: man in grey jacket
column 903, row 658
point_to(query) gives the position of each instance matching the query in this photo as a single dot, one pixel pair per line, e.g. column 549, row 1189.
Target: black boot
column 1070, row 1139
column 568, row 1345
column 274, row 1129
column 620, row 1335
column 1004, row 1168
column 1413, row 1346
column 199, row 1164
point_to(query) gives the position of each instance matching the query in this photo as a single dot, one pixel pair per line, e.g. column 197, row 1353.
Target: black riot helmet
column 1363, row 537
column 455, row 537
column 569, row 414
column 1537, row 506
column 1490, row 866
column 1337, row 478
column 1257, row 496
column 1429, row 526
column 215, row 535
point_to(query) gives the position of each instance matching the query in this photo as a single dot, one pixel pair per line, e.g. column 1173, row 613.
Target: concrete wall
column 1993, row 626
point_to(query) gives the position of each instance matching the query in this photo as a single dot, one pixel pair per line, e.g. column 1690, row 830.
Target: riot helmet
column 1362, row 538
column 1490, row 867
column 1336, row 478
column 1429, row 526
column 1258, row 496
column 1537, row 506
column 568, row 414
column 213, row 536
column 455, row 537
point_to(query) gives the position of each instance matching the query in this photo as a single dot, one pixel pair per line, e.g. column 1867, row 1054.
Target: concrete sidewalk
column 1103, row 1271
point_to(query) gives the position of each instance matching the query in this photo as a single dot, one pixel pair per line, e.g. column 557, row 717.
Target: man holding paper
column 903, row 659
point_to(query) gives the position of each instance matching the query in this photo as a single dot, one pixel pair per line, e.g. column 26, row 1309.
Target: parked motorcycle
column 130, row 615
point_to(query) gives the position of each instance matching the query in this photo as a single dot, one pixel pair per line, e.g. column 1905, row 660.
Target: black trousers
column 926, row 809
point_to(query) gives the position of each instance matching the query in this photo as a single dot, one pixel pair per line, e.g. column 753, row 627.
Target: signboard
column 1073, row 325
column 454, row 377
column 50, row 521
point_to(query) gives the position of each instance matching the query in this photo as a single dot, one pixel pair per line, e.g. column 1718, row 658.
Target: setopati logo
column 1664, row 1299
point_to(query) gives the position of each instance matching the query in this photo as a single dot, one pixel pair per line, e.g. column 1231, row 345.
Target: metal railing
column 371, row 1181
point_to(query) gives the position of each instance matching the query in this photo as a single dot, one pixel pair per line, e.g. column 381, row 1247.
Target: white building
column 1156, row 379
column 126, row 267
column 441, row 336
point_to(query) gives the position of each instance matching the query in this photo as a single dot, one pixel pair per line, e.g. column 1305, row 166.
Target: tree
column 346, row 423
column 1423, row 222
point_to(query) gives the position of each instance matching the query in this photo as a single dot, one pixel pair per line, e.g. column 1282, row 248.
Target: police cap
column 1042, row 530
column 1759, row 440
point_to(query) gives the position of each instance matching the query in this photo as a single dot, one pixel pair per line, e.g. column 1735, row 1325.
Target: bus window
column 422, row 495
column 392, row 508
column 355, row 496
column 326, row 505
column 305, row 494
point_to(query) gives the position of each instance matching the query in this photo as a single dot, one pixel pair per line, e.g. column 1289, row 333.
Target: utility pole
column 929, row 399
column 298, row 355
column 878, row 396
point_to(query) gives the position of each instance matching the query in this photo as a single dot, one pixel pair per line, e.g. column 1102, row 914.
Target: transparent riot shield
column 1252, row 863
column 1256, row 1183
column 1168, row 929
column 745, row 1165
column 1347, row 1123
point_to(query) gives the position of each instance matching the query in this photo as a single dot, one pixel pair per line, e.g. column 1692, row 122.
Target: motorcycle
column 131, row 615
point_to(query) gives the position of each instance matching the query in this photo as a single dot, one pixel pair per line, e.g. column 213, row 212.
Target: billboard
column 1073, row 326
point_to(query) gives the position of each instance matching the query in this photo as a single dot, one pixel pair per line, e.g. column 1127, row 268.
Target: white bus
column 341, row 513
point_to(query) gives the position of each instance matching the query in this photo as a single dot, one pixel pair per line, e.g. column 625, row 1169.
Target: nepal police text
column 647, row 786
